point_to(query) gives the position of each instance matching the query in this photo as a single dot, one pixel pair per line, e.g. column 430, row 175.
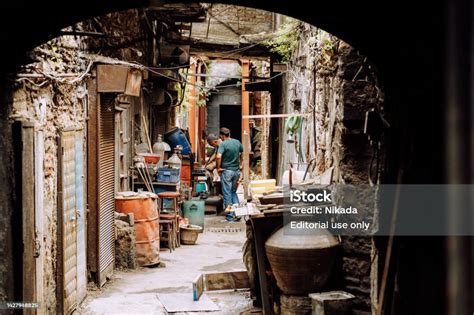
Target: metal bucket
column 146, row 223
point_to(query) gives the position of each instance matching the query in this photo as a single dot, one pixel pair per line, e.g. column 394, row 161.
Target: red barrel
column 147, row 227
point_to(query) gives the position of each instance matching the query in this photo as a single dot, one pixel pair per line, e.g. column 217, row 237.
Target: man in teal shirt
column 229, row 164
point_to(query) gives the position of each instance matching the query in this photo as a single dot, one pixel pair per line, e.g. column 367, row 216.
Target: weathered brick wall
column 56, row 103
column 228, row 22
column 127, row 36
column 330, row 76
column 53, row 104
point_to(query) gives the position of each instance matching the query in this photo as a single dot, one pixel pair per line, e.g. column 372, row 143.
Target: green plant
column 202, row 94
column 329, row 46
column 285, row 44
column 201, row 97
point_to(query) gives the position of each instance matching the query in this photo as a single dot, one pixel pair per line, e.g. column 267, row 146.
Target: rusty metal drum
column 146, row 223
column 301, row 264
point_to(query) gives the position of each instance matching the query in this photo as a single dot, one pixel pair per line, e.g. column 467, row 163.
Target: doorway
column 230, row 117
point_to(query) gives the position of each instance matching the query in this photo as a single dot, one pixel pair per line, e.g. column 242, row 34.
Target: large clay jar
column 301, row 264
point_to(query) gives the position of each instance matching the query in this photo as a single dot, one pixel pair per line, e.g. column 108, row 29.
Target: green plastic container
column 194, row 211
column 201, row 187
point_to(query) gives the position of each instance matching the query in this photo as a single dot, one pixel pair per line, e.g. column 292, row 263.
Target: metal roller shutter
column 106, row 186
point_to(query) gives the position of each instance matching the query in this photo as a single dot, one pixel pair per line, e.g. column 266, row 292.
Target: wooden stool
column 169, row 232
column 174, row 219
column 171, row 214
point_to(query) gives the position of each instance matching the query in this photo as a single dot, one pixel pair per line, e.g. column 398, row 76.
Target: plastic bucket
column 176, row 137
column 194, row 211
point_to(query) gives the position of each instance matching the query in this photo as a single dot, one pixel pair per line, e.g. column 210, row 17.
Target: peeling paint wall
column 334, row 85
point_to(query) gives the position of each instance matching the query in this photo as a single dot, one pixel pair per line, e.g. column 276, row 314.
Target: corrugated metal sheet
column 68, row 176
column 106, row 187
column 81, row 218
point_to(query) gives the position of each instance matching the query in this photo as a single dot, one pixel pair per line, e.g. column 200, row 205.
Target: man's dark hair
column 212, row 137
column 224, row 131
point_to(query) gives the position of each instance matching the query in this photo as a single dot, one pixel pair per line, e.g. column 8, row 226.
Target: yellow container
column 259, row 187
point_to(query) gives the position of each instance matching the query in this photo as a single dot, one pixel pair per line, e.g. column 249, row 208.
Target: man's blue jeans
column 229, row 181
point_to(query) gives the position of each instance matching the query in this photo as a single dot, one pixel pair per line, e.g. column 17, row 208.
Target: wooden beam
column 192, row 108
column 273, row 116
column 263, row 227
column 28, row 215
column 39, row 216
column 246, row 166
column 245, row 125
column 92, row 170
column 245, row 96
column 202, row 123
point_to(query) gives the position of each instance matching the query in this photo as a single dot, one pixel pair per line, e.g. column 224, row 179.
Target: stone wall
column 331, row 83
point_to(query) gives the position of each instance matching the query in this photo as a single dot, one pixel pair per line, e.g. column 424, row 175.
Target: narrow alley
column 161, row 157
column 219, row 250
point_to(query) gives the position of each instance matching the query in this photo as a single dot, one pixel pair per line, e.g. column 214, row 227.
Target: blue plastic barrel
column 176, row 137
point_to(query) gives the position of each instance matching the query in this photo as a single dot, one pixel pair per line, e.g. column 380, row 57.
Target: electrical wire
column 248, row 83
column 79, row 78
column 232, row 52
